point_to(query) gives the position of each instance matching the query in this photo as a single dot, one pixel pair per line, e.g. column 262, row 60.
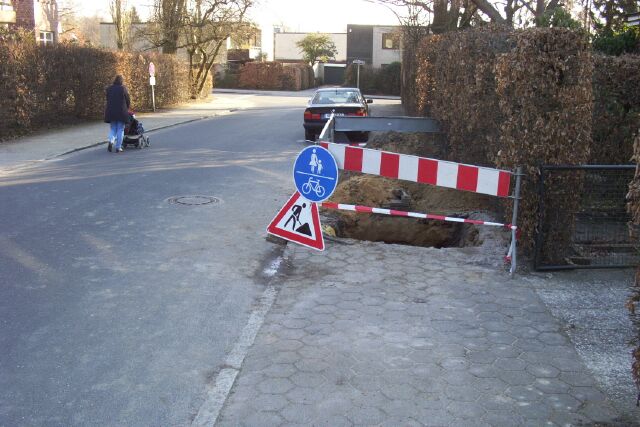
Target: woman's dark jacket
column 118, row 103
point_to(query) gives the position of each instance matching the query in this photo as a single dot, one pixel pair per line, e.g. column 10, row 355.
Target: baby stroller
column 134, row 133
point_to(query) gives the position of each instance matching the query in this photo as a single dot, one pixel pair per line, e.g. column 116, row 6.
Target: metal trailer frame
column 377, row 124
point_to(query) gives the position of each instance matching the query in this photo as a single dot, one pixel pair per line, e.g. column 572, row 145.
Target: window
column 5, row 5
column 45, row 37
column 336, row 97
column 390, row 41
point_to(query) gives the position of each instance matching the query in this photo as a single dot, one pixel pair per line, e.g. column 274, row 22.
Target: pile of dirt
column 417, row 144
column 374, row 191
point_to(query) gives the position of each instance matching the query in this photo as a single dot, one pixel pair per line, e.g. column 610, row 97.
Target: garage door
column 334, row 75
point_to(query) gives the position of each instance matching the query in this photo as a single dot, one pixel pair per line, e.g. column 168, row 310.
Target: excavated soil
column 374, row 191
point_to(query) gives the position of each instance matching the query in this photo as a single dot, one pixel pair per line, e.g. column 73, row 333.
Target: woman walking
column 117, row 112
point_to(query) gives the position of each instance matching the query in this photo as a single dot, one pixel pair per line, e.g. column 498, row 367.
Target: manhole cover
column 193, row 200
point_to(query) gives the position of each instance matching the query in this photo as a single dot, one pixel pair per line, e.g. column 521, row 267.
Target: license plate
column 326, row 116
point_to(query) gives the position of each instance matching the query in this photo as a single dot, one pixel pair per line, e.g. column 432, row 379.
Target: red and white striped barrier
column 392, row 212
column 442, row 173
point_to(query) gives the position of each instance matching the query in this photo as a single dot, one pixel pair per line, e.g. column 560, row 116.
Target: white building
column 285, row 49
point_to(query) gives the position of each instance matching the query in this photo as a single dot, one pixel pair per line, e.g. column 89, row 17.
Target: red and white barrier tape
column 392, row 212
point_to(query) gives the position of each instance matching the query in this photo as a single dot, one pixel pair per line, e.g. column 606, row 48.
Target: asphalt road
column 118, row 307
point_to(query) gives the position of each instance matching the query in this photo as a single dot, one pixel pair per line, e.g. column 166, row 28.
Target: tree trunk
column 490, row 11
column 440, row 23
column 171, row 17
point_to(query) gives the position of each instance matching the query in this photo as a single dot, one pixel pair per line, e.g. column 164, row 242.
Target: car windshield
column 336, row 97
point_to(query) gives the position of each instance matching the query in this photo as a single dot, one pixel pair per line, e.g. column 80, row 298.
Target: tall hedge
column 64, row 82
column 456, row 83
column 510, row 98
column 633, row 301
column 275, row 76
column 384, row 81
column 616, row 109
column 546, row 99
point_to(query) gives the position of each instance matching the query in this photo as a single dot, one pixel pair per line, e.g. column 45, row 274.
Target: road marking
column 217, row 394
column 273, row 268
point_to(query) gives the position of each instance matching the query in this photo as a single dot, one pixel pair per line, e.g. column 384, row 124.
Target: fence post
column 514, row 219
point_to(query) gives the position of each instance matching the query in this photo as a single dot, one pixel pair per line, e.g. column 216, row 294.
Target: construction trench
column 374, row 191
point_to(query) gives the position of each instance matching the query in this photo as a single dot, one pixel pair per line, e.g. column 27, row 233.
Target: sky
column 328, row 16
column 325, row 16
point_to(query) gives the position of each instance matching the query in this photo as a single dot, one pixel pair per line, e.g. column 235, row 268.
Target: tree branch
column 489, row 10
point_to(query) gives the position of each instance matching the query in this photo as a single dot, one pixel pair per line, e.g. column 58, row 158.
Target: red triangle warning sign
column 298, row 221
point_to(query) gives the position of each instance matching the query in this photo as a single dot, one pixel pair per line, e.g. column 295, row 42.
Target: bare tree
column 68, row 18
column 448, row 15
column 122, row 21
column 165, row 28
column 208, row 24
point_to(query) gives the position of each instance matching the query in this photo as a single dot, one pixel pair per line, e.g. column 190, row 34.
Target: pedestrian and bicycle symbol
column 315, row 173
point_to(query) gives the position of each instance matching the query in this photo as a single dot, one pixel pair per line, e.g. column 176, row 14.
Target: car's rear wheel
column 309, row 135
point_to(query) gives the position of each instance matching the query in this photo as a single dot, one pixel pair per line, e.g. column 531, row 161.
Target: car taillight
column 308, row 115
column 361, row 112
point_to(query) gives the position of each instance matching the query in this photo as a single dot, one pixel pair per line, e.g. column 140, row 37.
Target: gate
column 583, row 209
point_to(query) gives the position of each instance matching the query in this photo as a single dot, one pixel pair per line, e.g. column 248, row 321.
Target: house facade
column 377, row 45
column 285, row 49
column 40, row 16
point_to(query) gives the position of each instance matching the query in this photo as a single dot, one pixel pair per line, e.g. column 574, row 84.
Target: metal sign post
column 358, row 62
column 514, row 218
column 152, row 82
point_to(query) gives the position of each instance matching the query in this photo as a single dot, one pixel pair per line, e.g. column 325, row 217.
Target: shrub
column 64, row 82
column 275, row 76
column 510, row 99
column 546, row 100
column 616, row 109
column 367, row 78
column 456, row 84
column 385, row 80
column 610, row 43
column 388, row 79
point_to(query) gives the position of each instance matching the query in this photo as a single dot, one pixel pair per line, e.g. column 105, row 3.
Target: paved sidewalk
column 48, row 144
column 375, row 334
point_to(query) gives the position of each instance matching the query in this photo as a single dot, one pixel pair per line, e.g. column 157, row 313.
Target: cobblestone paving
column 374, row 334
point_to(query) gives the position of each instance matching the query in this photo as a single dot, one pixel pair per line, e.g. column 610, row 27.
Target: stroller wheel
column 148, row 141
column 140, row 144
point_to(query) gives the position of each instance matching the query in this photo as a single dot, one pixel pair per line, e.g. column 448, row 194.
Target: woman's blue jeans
column 116, row 134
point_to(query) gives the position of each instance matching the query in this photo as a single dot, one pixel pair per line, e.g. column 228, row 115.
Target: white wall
column 286, row 49
column 380, row 55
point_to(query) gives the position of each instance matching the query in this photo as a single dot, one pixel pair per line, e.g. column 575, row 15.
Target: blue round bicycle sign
column 315, row 173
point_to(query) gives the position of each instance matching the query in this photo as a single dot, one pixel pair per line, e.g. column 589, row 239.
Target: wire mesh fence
column 583, row 220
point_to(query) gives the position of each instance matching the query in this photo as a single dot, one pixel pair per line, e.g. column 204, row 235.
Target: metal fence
column 583, row 222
